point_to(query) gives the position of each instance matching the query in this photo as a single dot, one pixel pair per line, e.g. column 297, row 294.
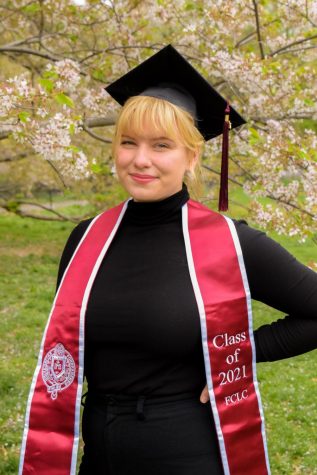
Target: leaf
column 72, row 9
column 72, row 129
column 98, row 74
column 254, row 133
column 255, row 137
column 64, row 100
column 73, row 148
column 95, row 168
column 189, row 6
column 23, row 116
column 32, row 8
column 50, row 74
column 302, row 154
column 309, row 102
column 99, row 168
column 46, row 84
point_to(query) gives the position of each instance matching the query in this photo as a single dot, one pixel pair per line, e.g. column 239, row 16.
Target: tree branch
column 100, row 121
column 42, row 21
column 89, row 123
column 272, row 197
column 93, row 135
column 4, row 134
column 14, row 158
column 294, row 43
column 284, row 117
column 232, row 180
column 57, row 216
column 296, row 50
column 57, row 173
column 205, row 200
column 258, row 28
column 29, row 40
column 292, row 205
column 114, row 50
column 244, row 39
column 16, row 49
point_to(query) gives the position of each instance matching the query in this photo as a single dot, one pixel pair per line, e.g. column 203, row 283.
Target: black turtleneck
column 142, row 323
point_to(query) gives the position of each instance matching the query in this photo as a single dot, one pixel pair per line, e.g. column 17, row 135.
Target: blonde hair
column 166, row 118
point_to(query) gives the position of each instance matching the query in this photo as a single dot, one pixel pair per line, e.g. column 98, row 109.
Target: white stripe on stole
column 238, row 249
column 81, row 348
column 202, row 315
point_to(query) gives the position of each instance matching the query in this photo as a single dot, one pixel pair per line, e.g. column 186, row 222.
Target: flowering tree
column 57, row 56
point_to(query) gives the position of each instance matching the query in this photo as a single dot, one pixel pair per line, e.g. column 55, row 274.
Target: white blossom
column 94, row 100
column 42, row 112
column 69, row 74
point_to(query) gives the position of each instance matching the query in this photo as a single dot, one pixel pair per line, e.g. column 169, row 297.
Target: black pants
column 162, row 436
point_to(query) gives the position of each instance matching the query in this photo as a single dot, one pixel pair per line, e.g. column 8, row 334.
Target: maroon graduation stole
column 51, row 433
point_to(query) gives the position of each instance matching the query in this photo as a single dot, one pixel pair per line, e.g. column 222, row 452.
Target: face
column 151, row 167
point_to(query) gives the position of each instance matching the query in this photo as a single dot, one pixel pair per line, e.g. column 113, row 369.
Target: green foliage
column 73, row 38
column 72, row 129
column 99, row 74
column 23, row 116
column 50, row 74
column 63, row 99
column 47, row 84
column 12, row 206
column 73, row 148
column 31, row 8
column 100, row 168
column 255, row 137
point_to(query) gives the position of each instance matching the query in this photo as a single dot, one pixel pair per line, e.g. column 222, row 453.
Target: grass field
column 29, row 256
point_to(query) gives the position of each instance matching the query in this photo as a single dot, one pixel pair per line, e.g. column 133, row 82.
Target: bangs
column 142, row 110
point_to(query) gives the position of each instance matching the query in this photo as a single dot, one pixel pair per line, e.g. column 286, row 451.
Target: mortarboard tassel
column 223, row 192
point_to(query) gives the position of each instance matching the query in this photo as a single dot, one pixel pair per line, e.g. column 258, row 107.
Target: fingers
column 204, row 397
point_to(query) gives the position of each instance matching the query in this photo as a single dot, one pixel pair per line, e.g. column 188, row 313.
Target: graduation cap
column 168, row 75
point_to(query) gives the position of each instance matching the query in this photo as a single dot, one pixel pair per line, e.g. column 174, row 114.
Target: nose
column 142, row 157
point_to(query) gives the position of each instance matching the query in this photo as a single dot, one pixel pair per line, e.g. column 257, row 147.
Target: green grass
column 29, row 256
column 288, row 388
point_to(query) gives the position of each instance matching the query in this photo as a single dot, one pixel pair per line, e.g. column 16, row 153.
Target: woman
column 160, row 285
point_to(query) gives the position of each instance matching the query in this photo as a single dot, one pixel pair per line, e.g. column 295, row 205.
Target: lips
column 138, row 175
column 142, row 178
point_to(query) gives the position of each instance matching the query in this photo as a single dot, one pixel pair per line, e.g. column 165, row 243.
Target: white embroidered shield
column 58, row 370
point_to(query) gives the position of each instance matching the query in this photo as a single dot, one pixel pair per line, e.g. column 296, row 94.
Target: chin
column 143, row 192
column 145, row 195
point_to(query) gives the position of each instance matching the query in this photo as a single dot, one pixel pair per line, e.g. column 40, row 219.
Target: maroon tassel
column 223, row 192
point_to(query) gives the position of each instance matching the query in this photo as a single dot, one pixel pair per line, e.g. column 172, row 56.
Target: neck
column 151, row 212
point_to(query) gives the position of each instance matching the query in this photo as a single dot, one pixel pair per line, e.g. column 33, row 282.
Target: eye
column 161, row 145
column 127, row 142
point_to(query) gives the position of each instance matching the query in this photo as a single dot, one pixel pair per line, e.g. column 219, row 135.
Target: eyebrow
column 153, row 138
column 163, row 138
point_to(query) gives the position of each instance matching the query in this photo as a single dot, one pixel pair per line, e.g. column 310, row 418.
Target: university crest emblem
column 58, row 370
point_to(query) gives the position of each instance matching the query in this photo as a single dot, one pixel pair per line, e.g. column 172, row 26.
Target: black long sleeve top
column 142, row 322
